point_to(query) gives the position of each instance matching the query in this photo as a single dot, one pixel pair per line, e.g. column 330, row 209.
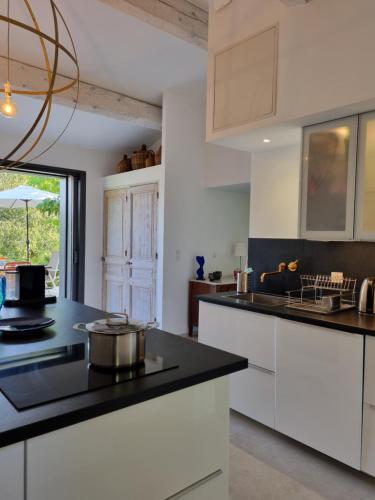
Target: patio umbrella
column 25, row 197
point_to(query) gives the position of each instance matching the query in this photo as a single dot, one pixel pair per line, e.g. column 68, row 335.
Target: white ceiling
column 87, row 130
column 115, row 51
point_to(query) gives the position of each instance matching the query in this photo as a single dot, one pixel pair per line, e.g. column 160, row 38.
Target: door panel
column 142, row 208
column 115, row 251
column 115, row 296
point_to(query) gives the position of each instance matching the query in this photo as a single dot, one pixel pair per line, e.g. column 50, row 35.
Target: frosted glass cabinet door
column 328, row 180
column 365, row 218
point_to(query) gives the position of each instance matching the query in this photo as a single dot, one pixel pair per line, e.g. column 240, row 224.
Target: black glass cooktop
column 57, row 373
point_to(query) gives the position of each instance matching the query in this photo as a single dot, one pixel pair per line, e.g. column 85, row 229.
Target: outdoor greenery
column 44, row 221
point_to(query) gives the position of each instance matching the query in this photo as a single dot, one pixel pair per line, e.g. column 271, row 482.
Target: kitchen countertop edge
column 346, row 321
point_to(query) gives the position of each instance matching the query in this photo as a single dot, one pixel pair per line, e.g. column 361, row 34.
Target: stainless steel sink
column 258, row 298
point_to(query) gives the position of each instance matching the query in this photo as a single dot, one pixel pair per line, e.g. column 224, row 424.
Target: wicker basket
column 150, row 160
column 124, row 165
column 158, row 156
column 139, row 158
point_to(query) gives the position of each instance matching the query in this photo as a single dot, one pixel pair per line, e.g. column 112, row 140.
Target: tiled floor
column 264, row 465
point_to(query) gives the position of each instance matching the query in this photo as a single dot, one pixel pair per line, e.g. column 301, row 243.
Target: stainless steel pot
column 116, row 342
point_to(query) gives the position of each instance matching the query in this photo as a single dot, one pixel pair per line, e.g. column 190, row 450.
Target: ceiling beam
column 294, row 3
column 180, row 18
column 91, row 98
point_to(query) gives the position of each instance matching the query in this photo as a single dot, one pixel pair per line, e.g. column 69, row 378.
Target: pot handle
column 81, row 327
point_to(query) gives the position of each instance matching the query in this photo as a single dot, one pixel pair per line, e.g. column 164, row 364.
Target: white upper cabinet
column 365, row 199
column 244, row 83
column 328, row 179
column 315, row 68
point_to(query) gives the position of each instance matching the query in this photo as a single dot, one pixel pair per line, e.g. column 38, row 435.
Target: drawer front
column 319, row 385
column 213, row 487
column 369, row 392
column 252, row 393
column 245, row 333
column 12, row 472
column 254, row 338
column 368, row 440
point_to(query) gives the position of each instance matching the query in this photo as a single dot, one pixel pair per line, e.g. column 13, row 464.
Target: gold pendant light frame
column 43, row 116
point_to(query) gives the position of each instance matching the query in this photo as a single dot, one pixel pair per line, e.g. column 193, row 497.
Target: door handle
column 128, row 262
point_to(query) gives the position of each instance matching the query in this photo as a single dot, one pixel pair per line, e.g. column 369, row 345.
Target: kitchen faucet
column 292, row 266
column 281, row 267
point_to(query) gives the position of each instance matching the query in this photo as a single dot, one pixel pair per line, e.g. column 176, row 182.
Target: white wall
column 96, row 164
column 148, row 176
column 198, row 221
column 226, row 166
column 275, row 191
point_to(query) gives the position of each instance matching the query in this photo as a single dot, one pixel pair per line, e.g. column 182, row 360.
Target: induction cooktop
column 52, row 374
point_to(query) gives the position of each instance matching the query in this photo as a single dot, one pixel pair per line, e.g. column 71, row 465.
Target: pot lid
column 119, row 325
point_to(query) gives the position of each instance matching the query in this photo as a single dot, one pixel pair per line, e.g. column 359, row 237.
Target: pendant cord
column 8, row 38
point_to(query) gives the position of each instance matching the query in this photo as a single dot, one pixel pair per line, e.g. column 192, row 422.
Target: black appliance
column 31, row 285
column 48, row 375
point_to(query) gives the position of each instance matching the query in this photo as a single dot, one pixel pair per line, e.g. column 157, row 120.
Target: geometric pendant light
column 21, row 153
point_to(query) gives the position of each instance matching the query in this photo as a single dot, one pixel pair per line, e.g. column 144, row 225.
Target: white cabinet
column 165, row 447
column 319, row 388
column 328, row 179
column 242, row 86
column 244, row 333
column 368, row 431
column 248, row 334
column 252, row 393
column 365, row 195
column 11, row 472
column 368, row 440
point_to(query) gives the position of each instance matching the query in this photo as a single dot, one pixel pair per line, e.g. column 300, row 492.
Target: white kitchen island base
column 173, row 446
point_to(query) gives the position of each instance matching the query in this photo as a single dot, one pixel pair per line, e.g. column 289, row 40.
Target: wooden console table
column 198, row 287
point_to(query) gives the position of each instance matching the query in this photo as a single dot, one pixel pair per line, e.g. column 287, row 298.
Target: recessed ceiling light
column 266, row 140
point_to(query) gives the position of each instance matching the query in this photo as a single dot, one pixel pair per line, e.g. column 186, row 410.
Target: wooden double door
column 130, row 251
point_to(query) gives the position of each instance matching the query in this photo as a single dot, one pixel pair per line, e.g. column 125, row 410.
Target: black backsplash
column 356, row 259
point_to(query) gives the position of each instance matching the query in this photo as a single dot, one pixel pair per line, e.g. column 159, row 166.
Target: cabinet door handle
column 192, row 487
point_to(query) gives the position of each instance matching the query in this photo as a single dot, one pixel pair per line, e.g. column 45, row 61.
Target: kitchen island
column 164, row 435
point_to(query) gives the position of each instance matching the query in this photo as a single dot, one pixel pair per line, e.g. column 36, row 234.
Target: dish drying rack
column 316, row 286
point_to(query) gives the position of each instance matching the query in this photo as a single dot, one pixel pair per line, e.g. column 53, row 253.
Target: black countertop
column 197, row 363
column 347, row 321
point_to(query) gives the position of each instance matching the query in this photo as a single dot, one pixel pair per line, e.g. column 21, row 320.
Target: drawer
column 253, row 336
column 252, row 393
column 369, row 390
column 245, row 333
column 368, row 440
column 213, row 487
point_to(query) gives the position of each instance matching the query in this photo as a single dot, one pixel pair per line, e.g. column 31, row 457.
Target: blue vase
column 200, row 270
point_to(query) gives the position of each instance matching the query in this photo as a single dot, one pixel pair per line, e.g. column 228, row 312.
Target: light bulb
column 8, row 107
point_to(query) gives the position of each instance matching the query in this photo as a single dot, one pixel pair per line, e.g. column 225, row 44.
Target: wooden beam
column 294, row 3
column 180, row 18
column 91, row 98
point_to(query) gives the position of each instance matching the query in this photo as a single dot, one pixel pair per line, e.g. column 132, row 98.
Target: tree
column 44, row 220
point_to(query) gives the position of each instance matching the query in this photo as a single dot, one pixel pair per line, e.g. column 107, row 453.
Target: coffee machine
column 25, row 285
